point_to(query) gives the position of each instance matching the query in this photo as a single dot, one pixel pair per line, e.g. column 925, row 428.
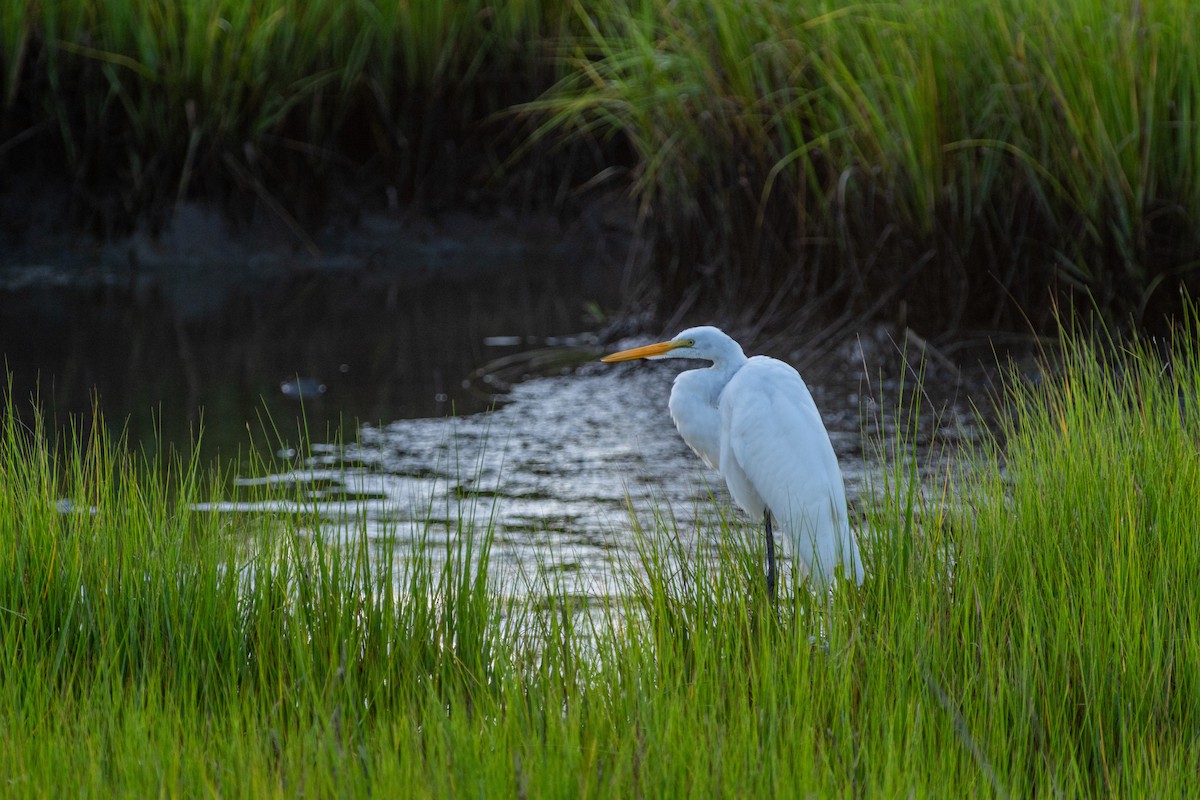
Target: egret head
column 704, row 342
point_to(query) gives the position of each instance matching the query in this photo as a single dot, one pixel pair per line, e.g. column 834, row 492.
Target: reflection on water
column 551, row 471
column 375, row 331
column 556, row 472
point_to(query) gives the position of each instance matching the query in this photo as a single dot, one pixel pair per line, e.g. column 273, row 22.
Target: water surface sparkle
column 562, row 473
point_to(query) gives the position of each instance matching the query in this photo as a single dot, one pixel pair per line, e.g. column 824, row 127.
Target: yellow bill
column 646, row 351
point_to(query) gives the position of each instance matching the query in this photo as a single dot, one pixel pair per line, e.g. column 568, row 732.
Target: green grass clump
column 992, row 148
column 149, row 103
column 1028, row 627
column 1074, row 560
column 150, row 647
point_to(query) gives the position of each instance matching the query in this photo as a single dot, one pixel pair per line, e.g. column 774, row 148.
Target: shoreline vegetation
column 1028, row 627
column 973, row 164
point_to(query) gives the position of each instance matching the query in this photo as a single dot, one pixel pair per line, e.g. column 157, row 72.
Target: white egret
column 754, row 421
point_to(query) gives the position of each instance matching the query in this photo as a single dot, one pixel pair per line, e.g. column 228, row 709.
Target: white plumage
column 755, row 422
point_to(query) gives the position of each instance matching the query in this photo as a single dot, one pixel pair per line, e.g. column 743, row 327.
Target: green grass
column 150, row 103
column 995, row 154
column 990, row 149
column 1029, row 627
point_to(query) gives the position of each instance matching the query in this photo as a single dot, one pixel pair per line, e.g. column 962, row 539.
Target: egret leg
column 770, row 557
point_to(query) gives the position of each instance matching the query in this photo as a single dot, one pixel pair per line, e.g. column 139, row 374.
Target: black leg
column 770, row 557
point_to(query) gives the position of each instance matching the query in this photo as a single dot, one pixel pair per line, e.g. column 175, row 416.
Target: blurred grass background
column 956, row 165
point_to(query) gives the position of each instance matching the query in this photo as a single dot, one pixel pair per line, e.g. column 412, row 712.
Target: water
column 399, row 356
column 562, row 473
column 210, row 327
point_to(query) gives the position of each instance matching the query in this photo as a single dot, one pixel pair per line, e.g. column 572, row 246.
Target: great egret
column 754, row 421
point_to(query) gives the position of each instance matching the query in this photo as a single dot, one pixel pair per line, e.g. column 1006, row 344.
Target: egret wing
column 775, row 450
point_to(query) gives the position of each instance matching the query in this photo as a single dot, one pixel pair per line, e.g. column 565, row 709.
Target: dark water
column 389, row 324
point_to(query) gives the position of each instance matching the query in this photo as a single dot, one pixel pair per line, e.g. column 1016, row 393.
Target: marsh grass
column 1028, row 627
column 992, row 149
column 998, row 155
column 153, row 103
